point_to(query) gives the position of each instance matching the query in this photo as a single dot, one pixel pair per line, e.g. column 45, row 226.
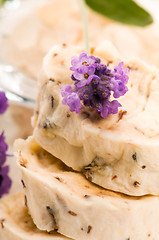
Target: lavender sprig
column 94, row 83
column 85, row 24
column 3, row 149
column 3, row 102
column 5, row 181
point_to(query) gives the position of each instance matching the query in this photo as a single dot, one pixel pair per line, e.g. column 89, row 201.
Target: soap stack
column 85, row 177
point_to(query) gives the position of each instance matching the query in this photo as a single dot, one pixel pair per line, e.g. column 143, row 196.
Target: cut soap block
column 16, row 223
column 119, row 153
column 62, row 200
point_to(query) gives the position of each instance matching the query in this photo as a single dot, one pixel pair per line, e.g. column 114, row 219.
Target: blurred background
column 29, row 28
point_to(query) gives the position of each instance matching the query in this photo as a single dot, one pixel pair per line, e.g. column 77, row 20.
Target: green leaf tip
column 124, row 11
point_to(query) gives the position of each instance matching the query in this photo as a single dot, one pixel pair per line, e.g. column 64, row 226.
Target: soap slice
column 16, row 223
column 62, row 200
column 119, row 153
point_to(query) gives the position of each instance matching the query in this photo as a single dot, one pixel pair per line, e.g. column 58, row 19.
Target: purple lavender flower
column 120, row 79
column 93, row 84
column 110, row 108
column 71, row 99
column 84, row 67
column 5, row 181
column 82, row 76
column 82, row 60
column 3, row 149
column 3, row 102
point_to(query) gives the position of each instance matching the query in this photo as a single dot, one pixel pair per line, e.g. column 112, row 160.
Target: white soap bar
column 16, row 223
column 62, row 200
column 119, row 153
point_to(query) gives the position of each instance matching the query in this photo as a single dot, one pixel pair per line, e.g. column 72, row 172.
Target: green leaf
column 124, row 11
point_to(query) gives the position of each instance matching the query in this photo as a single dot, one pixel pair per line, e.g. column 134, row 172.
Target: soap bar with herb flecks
column 62, row 200
column 119, row 153
column 16, row 223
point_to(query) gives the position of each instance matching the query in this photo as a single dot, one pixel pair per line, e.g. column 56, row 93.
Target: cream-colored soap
column 16, row 223
column 61, row 199
column 119, row 153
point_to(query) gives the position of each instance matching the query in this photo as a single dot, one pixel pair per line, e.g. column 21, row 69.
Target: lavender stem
column 85, row 25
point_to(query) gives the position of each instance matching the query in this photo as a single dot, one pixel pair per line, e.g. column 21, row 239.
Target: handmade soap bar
column 62, row 200
column 119, row 153
column 16, row 223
